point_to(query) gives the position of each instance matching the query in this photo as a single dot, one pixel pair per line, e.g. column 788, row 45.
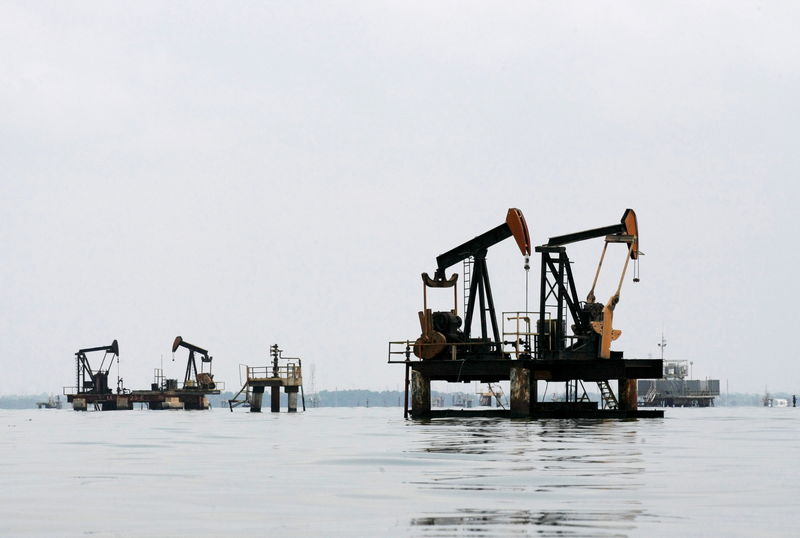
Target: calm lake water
column 368, row 472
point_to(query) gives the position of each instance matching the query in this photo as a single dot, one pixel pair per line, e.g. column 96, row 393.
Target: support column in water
column 255, row 399
column 420, row 395
column 520, row 392
column 276, row 399
column 291, row 394
column 628, row 395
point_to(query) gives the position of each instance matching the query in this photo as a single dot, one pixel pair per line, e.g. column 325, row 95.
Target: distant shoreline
column 388, row 398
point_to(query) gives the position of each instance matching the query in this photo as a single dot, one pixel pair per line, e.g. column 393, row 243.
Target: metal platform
column 494, row 370
column 284, row 372
column 524, row 374
column 155, row 399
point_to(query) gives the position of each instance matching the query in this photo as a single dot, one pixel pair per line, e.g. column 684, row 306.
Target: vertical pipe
column 405, row 399
column 540, row 328
column 559, row 330
column 455, row 299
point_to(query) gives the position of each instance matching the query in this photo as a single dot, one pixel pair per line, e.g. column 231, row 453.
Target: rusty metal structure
column 520, row 352
column 283, row 372
column 92, row 388
column 91, row 385
column 195, row 378
column 91, row 381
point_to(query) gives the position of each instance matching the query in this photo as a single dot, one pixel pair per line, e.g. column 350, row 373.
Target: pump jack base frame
column 192, row 399
column 524, row 402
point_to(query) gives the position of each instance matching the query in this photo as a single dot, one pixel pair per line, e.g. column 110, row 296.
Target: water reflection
column 552, row 465
column 546, row 523
column 461, row 436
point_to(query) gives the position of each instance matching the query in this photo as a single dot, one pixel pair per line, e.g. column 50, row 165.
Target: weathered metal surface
column 283, row 372
column 256, row 398
column 520, row 392
column 628, row 399
column 420, row 394
column 191, row 399
column 195, row 377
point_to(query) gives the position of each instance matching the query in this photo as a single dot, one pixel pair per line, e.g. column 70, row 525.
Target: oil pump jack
column 592, row 322
column 89, row 381
column 584, row 355
column 441, row 335
column 195, row 379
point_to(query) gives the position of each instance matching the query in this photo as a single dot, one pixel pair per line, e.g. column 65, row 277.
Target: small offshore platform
column 92, row 388
column 53, row 402
column 676, row 389
column 529, row 347
column 284, row 372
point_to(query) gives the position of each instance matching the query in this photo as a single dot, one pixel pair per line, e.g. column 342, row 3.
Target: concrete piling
column 628, row 395
column 256, row 398
column 420, row 394
column 520, row 392
column 291, row 393
column 276, row 399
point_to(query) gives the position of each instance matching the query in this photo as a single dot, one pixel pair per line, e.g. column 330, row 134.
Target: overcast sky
column 250, row 173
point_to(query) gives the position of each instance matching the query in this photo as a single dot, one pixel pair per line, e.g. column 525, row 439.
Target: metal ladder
column 467, row 282
column 607, row 395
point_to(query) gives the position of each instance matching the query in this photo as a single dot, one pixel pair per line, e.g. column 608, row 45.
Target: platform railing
column 518, row 338
column 289, row 373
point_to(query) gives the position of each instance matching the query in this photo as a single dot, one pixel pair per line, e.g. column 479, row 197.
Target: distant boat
column 51, row 403
column 776, row 402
